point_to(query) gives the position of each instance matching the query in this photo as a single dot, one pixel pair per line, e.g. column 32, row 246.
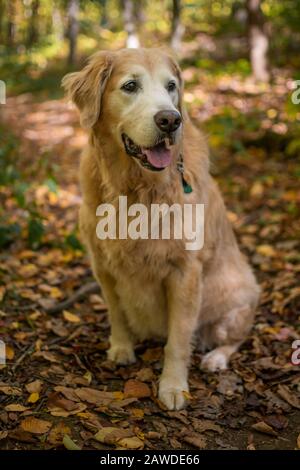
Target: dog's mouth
column 155, row 158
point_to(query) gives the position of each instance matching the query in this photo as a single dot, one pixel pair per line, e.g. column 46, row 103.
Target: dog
column 142, row 144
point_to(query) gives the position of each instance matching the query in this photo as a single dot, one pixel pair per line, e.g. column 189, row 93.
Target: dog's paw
column 172, row 396
column 214, row 360
column 121, row 354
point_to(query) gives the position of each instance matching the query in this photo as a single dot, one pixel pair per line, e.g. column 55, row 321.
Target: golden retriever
column 131, row 103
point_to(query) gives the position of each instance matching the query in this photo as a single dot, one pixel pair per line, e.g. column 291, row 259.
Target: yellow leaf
column 33, row 397
column 118, row 395
column 28, row 270
column 257, row 189
column 15, row 407
column 266, row 250
column 71, row 317
column 137, row 413
column 10, row 353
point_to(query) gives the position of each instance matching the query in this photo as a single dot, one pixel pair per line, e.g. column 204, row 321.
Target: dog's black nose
column 167, row 121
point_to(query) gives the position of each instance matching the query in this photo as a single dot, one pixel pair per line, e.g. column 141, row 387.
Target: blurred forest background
column 240, row 62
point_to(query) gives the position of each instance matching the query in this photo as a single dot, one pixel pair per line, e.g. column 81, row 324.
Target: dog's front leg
column 121, row 348
column 184, row 289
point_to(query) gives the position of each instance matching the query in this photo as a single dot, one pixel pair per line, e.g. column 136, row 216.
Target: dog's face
column 135, row 96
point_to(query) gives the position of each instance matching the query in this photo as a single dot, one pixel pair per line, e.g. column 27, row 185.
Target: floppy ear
column 85, row 88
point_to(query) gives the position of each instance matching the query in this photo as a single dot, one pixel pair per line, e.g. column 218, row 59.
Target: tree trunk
column 258, row 41
column 33, row 28
column 177, row 27
column 11, row 27
column 73, row 10
column 129, row 23
column 1, row 21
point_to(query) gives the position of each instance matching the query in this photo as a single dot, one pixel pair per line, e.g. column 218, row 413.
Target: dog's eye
column 171, row 86
column 130, row 87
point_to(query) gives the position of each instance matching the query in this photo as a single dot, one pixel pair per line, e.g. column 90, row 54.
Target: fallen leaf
column 111, row 435
column 34, row 387
column 133, row 443
column 195, row 440
column 136, row 389
column 10, row 353
column 71, row 317
column 7, row 390
column 263, row 427
column 16, row 408
column 95, row 397
column 35, row 426
column 33, row 397
column 291, row 398
column 48, row 356
column 69, row 444
column 3, row 434
column 298, row 441
column 266, row 250
column 57, row 433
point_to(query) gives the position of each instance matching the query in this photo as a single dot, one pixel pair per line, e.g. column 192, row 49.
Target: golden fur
column 156, row 288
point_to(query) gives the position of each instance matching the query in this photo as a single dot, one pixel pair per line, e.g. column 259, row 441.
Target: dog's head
column 134, row 95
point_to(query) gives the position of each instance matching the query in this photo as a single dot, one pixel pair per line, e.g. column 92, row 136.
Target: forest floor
column 58, row 389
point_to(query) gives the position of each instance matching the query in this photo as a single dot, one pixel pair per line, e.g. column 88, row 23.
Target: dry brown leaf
column 136, row 389
column 263, row 427
column 8, row 390
column 69, row 393
column 95, row 397
column 291, row 398
column 133, row 443
column 111, row 435
column 57, row 433
column 59, row 406
column 145, row 375
column 16, row 408
column 35, row 426
column 195, row 440
column 298, row 441
column 48, row 356
column 3, row 434
column 152, row 355
column 34, row 387
column 202, row 425
column 71, row 317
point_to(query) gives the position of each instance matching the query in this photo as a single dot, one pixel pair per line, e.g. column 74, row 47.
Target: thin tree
column 73, row 29
column 33, row 27
column 177, row 26
column 129, row 17
column 11, row 25
column 258, row 41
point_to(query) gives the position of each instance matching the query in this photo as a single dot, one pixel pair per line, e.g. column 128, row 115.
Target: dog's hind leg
column 227, row 334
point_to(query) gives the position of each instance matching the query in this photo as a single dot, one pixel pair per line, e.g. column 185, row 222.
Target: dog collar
column 187, row 188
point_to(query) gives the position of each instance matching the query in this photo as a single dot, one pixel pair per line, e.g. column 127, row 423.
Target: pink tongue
column 158, row 156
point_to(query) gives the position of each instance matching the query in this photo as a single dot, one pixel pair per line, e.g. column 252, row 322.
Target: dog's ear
column 85, row 88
